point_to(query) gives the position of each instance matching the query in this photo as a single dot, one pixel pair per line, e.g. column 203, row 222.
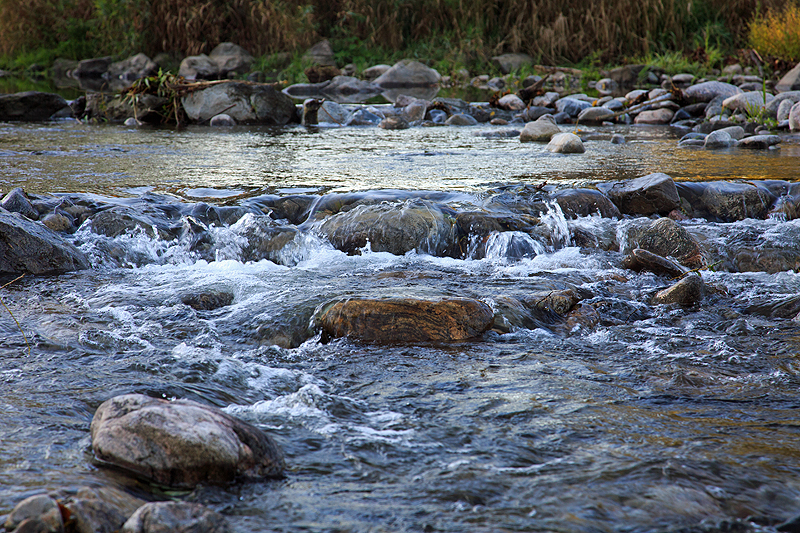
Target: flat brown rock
column 406, row 319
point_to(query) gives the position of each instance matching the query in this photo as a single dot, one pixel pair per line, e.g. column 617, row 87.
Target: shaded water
column 655, row 418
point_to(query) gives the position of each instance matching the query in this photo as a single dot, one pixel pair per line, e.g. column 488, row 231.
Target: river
column 656, row 418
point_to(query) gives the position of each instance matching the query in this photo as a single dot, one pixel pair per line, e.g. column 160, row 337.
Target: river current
column 656, row 418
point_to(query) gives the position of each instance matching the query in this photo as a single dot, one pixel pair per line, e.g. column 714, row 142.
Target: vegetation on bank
column 447, row 34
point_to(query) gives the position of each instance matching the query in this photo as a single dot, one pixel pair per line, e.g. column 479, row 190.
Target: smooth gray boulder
column 595, row 115
column 707, row 91
column 175, row 517
column 794, row 117
column 246, row 103
column 30, row 248
column 571, row 106
column 540, row 130
column 749, row 102
column 30, row 106
column 655, row 116
column 566, row 143
column 719, row 139
column 41, row 508
column 181, row 443
column 651, row 194
column 759, row 142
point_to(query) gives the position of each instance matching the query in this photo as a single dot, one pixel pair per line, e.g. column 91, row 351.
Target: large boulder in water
column 729, row 202
column 540, row 130
column 181, row 443
column 708, row 90
column 651, row 194
column 667, row 238
column 30, row 106
column 405, row 319
column 246, row 103
column 30, row 248
column 397, row 228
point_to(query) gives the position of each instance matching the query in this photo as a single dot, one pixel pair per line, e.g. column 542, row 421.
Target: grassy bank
column 454, row 33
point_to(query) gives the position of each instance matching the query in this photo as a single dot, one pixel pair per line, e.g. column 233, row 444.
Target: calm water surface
column 658, row 418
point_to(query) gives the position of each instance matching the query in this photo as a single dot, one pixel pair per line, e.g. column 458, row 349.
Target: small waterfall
column 512, row 245
column 555, row 220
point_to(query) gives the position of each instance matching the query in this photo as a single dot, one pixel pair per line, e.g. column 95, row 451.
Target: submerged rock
column 100, row 510
column 405, row 319
column 585, row 202
column 175, row 517
column 181, row 443
column 728, row 201
column 30, row 248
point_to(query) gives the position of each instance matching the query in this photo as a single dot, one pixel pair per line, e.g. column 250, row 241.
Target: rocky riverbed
column 572, row 323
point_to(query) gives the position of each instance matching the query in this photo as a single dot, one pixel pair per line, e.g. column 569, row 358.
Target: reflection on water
column 68, row 156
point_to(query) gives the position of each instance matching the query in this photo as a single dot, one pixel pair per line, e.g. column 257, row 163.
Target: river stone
column 408, row 74
column 223, row 120
column 133, row 68
column 654, row 116
column 571, row 106
column 331, row 112
column 394, row 122
column 181, row 443
column 176, row 517
column 41, row 508
column 791, row 97
column 747, row 102
column 100, row 510
column 640, row 259
column 730, row 202
column 790, row 81
column 651, row 194
column 30, row 106
column 565, row 143
column 344, row 86
column 30, row 248
column 59, row 222
column 120, row 220
column 769, row 260
column 585, row 202
column 759, row 142
column 719, row 139
column 667, row 238
column 686, row 292
column 246, row 103
column 415, row 111
column 200, row 67
column 405, row 319
column 16, row 201
column 540, row 130
column 208, row 300
column 511, row 102
column 794, row 117
column 230, row 58
column 708, row 90
column 396, row 228
column 595, row 115
column 461, row 119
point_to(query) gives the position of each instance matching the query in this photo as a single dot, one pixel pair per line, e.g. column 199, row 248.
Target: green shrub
column 777, row 34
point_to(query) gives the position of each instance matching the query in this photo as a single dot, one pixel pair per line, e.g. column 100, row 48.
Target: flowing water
column 655, row 418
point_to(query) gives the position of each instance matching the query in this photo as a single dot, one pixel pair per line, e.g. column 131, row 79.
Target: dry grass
column 553, row 31
column 777, row 34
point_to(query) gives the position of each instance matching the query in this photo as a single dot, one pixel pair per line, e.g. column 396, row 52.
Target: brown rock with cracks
column 405, row 319
column 686, row 292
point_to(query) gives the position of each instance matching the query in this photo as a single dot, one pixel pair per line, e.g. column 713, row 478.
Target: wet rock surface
column 405, row 320
column 181, row 443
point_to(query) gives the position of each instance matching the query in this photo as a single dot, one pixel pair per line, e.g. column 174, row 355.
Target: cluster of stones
column 177, row 444
column 696, row 106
